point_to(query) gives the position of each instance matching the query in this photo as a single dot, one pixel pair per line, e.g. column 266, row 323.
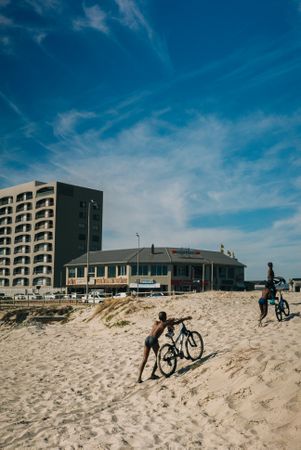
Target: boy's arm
column 177, row 321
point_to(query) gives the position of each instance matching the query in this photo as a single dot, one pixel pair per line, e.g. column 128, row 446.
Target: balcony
column 24, row 249
column 44, row 236
column 24, row 238
column 43, row 247
column 5, row 241
column 20, row 281
column 44, row 214
column 23, row 228
column 21, row 271
column 5, row 221
column 6, row 211
column 24, row 207
column 4, row 261
column 42, row 270
column 45, row 191
column 5, row 272
column 42, row 281
column 42, row 259
column 6, row 200
column 21, row 260
column 5, row 231
column 23, row 218
column 44, row 225
column 4, row 251
column 45, row 203
column 24, row 196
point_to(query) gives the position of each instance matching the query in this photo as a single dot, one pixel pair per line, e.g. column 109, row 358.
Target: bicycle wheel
column 194, row 345
column 285, row 308
column 167, row 360
column 278, row 312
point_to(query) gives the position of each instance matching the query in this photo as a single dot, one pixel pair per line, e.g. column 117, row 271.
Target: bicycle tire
column 194, row 345
column 167, row 360
column 278, row 312
column 286, row 308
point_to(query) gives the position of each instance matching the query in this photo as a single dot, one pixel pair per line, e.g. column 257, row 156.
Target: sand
column 73, row 385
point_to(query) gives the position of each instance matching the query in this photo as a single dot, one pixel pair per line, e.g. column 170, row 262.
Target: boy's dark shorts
column 151, row 341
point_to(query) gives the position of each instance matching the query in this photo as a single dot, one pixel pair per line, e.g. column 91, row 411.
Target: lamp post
column 91, row 202
column 138, row 238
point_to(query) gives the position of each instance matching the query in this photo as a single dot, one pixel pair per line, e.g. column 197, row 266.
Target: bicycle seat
column 170, row 332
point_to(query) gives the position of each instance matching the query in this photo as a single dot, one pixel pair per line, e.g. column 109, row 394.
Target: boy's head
column 270, row 264
column 162, row 316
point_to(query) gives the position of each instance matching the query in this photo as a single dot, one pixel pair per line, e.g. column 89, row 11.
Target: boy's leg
column 145, row 358
column 156, row 349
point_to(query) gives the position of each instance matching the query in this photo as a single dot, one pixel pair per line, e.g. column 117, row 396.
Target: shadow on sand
column 195, row 364
column 291, row 316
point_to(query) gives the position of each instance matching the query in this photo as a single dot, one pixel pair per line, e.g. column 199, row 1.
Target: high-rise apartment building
column 42, row 227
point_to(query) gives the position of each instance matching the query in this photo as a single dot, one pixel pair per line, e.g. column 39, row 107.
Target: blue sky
column 186, row 115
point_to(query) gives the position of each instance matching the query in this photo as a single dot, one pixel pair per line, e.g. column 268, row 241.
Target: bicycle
column 169, row 353
column 281, row 307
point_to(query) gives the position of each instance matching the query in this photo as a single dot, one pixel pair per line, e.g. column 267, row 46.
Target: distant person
column 263, row 304
column 270, row 284
column 152, row 341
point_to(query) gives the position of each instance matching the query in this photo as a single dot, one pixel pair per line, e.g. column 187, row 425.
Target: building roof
column 159, row 255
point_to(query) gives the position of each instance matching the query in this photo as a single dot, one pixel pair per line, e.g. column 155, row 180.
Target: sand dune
column 73, row 385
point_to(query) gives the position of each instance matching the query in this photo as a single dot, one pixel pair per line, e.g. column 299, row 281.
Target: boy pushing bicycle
column 152, row 341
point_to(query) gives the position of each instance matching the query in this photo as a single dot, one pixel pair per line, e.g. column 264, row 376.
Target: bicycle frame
column 179, row 340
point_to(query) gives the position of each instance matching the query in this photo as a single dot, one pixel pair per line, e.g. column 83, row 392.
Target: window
column 80, row 272
column 95, row 238
column 122, row 270
column 181, row 271
column 111, row 271
column 158, row 269
column 143, row 269
column 71, row 272
column 96, row 217
column 82, row 215
column 100, row 271
column 83, row 204
column 231, row 272
column 222, row 272
column 92, row 271
column 81, row 237
column 81, row 225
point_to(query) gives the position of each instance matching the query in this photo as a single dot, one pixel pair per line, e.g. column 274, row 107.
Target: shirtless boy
column 152, row 341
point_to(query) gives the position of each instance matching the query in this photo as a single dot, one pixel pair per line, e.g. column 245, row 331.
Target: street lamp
column 93, row 203
column 138, row 237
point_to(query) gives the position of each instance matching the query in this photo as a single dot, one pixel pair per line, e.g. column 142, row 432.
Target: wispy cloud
column 12, row 105
column 132, row 17
column 158, row 183
column 94, row 18
column 5, row 21
column 65, row 123
column 42, row 7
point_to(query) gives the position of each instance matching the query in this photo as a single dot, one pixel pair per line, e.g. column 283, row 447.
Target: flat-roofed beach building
column 164, row 269
column 43, row 226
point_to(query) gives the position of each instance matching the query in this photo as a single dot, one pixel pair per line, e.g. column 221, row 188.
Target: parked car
column 20, row 297
column 93, row 299
column 155, row 294
column 52, row 296
column 120, row 295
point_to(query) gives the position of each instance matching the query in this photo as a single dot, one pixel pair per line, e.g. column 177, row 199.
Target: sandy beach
column 72, row 385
